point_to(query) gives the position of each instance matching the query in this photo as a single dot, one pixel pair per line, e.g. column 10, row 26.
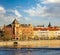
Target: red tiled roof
column 45, row 29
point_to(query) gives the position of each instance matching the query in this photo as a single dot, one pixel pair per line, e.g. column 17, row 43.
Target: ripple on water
column 29, row 52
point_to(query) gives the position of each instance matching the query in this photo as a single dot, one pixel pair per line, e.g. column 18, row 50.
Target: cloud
column 17, row 13
column 2, row 15
column 2, row 10
column 6, row 17
column 30, row 11
column 51, row 1
column 36, row 11
column 27, row 18
column 48, row 10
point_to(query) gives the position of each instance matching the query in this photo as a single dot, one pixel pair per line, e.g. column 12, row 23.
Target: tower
column 15, row 25
column 49, row 25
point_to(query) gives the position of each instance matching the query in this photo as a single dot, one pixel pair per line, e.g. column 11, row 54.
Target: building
column 19, row 31
column 47, row 32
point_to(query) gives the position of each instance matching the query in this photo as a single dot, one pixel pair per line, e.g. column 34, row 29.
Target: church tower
column 49, row 25
column 15, row 25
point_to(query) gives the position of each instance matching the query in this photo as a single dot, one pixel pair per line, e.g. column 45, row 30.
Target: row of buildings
column 19, row 31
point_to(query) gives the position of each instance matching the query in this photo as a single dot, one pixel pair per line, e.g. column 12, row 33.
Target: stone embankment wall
column 32, row 44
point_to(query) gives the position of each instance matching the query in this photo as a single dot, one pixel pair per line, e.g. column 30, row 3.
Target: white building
column 48, row 32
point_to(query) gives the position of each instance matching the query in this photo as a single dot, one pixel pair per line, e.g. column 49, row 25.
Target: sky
column 35, row 12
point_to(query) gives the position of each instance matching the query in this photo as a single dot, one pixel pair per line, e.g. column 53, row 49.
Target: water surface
column 29, row 52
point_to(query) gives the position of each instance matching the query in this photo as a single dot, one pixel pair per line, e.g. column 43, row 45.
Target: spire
column 49, row 25
column 15, row 21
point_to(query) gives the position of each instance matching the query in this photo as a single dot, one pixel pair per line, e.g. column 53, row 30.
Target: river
column 8, row 51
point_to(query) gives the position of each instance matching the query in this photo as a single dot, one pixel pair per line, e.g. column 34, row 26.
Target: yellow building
column 19, row 31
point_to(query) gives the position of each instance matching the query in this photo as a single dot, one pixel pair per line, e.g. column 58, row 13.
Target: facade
column 47, row 32
column 19, row 31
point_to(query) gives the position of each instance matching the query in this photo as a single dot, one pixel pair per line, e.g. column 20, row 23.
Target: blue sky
column 36, row 12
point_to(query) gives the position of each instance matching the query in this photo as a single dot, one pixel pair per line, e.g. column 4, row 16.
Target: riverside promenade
column 32, row 44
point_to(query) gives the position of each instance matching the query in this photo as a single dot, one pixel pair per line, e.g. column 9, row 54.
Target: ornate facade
column 19, row 31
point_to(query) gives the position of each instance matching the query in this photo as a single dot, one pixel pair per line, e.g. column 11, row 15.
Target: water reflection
column 28, row 52
column 14, row 52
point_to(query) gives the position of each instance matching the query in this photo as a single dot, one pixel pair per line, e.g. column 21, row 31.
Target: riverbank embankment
column 32, row 44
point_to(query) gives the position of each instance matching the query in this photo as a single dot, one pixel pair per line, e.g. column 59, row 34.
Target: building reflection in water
column 22, row 53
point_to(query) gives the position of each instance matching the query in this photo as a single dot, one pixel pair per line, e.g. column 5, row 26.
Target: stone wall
column 32, row 44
